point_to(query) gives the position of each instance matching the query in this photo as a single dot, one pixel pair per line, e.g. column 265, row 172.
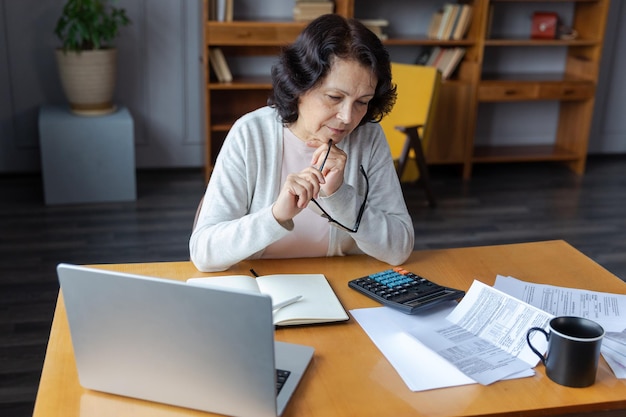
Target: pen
column 286, row 302
column 330, row 145
column 253, row 272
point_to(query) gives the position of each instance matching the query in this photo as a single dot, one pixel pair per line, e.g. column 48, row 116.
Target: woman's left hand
column 333, row 167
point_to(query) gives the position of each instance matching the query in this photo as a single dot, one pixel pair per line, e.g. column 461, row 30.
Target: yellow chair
column 408, row 126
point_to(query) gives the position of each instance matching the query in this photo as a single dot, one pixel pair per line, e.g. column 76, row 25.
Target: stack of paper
column 482, row 339
column 614, row 351
column 601, row 307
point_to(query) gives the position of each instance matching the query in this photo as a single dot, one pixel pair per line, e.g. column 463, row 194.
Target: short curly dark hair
column 306, row 62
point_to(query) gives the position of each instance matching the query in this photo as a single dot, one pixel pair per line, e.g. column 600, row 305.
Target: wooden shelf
column 524, row 153
column 247, row 33
column 574, row 87
column 527, row 90
column 543, row 42
column 424, row 41
column 533, row 77
column 460, row 97
column 222, row 127
column 544, row 1
column 243, row 83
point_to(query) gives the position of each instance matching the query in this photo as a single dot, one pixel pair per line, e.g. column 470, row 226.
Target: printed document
column 445, row 346
column 607, row 309
column 614, row 352
column 485, row 335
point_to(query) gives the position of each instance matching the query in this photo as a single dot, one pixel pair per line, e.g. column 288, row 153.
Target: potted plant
column 87, row 59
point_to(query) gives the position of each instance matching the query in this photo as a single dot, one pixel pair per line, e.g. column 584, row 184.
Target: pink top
column 309, row 237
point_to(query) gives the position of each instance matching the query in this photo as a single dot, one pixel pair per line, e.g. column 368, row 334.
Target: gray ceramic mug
column 573, row 350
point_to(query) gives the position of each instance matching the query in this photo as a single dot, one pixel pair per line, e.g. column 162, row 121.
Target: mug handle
column 535, row 351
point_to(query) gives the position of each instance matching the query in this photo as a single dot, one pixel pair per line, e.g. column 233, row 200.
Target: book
column 212, row 10
column 450, row 22
column 435, row 22
column 439, row 58
column 219, row 65
column 442, row 59
column 318, row 304
column 221, row 10
column 434, row 56
column 448, row 10
column 230, row 9
column 448, row 65
column 307, row 10
column 446, row 60
column 462, row 23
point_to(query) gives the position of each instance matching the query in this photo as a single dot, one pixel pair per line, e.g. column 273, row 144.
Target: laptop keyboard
column 281, row 377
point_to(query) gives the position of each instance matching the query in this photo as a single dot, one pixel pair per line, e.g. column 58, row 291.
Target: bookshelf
column 408, row 33
column 571, row 84
column 473, row 86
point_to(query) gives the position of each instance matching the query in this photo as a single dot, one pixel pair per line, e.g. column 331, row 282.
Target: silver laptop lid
column 165, row 341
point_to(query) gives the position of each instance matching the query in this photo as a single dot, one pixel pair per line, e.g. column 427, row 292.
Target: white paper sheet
column 609, row 310
column 485, row 335
column 419, row 366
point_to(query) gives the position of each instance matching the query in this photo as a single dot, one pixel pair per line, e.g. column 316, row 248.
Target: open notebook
column 210, row 349
column 309, row 296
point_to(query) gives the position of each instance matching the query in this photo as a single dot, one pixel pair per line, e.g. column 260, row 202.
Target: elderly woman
column 311, row 174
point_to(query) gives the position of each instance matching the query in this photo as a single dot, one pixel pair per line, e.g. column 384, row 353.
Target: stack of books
column 450, row 22
column 307, row 10
column 377, row 26
column 446, row 60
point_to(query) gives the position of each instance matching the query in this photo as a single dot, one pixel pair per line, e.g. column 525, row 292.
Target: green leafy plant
column 89, row 24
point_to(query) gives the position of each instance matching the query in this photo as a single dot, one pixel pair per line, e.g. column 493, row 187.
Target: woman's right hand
column 296, row 193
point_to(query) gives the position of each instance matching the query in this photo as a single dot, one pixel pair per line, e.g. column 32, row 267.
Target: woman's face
column 333, row 108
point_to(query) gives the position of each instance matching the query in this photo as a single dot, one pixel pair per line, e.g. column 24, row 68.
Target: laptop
column 209, row 349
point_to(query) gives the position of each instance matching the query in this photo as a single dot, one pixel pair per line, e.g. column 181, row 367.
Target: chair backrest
column 418, row 90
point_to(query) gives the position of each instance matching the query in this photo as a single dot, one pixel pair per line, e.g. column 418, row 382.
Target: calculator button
column 404, row 290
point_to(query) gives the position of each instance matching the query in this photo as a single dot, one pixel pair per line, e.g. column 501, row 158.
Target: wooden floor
column 501, row 204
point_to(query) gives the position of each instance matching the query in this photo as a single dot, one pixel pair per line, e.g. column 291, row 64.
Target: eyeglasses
column 361, row 210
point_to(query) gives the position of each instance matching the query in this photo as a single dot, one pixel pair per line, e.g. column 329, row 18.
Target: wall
column 160, row 81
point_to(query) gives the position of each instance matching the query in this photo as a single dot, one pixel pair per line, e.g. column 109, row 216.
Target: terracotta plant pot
column 88, row 79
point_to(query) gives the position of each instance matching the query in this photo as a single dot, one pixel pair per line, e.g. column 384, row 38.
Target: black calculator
column 404, row 290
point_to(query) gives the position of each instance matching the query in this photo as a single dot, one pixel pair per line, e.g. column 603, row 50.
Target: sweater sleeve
column 386, row 230
column 236, row 221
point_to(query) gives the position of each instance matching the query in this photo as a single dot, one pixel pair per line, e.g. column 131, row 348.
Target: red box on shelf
column 544, row 25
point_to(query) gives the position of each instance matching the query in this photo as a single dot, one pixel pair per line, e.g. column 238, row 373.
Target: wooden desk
column 348, row 375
